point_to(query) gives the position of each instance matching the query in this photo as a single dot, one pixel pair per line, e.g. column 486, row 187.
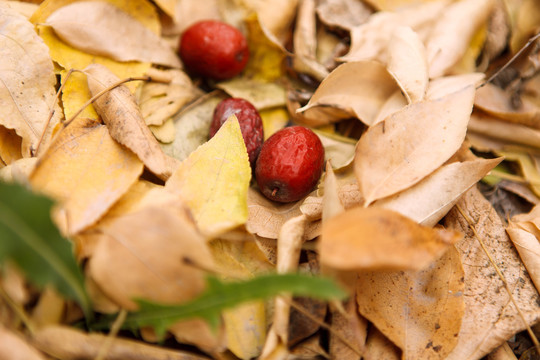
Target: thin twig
column 19, row 311
column 510, row 62
column 501, row 276
column 115, row 328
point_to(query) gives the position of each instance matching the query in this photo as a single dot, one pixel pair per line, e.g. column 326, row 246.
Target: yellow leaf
column 273, row 120
column 75, row 94
column 214, row 181
column 87, row 171
column 10, row 146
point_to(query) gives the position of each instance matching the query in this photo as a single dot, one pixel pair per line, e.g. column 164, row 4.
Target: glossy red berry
column 214, row 49
column 250, row 124
column 290, row 164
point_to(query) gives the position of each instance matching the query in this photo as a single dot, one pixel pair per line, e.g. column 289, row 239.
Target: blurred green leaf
column 29, row 238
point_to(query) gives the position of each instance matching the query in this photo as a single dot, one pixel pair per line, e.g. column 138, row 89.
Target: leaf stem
column 19, row 311
column 501, row 276
column 115, row 328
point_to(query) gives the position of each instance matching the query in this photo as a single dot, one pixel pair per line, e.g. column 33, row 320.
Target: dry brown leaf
column 407, row 62
column 101, row 28
column 490, row 317
column 443, row 86
column 159, row 101
column 13, row 347
column 419, row 311
column 400, row 151
column 339, row 150
column 356, row 89
column 345, row 14
column 497, row 102
column 503, row 130
column 18, row 171
column 394, row 103
column 360, row 239
column 141, row 255
column 428, row 201
column 265, row 217
column 369, row 41
column 352, row 327
column 67, row 343
column 27, row 93
column 452, row 33
column 379, row 347
column 86, row 171
column 278, row 22
column 332, row 205
column 503, row 352
column 125, row 122
column 10, row 146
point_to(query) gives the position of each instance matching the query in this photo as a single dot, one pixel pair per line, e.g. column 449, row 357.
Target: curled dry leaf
column 27, row 93
column 369, row 41
column 159, row 101
column 356, row 89
column 428, row 201
column 214, row 181
column 126, row 125
column 400, row 151
column 130, row 262
column 10, row 146
column 87, row 172
column 451, row 35
column 497, row 102
column 360, row 239
column 503, row 130
column 345, row 14
column 407, row 62
column 332, row 205
column 419, row 311
column 490, row 317
column 279, row 22
column 101, row 28
column 338, row 150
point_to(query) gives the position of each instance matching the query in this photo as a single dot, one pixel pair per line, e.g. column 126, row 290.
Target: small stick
column 115, row 328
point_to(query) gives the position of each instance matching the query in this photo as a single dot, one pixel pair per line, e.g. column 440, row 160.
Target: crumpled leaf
column 142, row 255
column 159, row 101
column 355, row 89
column 192, row 126
column 27, row 90
column 428, row 201
column 524, row 232
column 451, row 35
column 32, row 241
column 400, row 151
column 87, row 172
column 407, row 62
column 214, row 181
column 419, row 311
column 490, row 318
column 126, row 125
column 359, row 239
column 101, row 28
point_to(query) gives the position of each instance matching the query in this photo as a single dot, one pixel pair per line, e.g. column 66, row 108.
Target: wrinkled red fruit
column 290, row 164
column 214, row 49
column 250, row 124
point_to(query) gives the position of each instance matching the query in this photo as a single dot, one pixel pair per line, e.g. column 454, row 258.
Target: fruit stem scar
column 274, row 192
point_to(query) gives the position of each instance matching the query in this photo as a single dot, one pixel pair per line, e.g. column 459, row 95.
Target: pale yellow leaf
column 419, row 311
column 86, row 171
column 528, row 247
column 360, row 239
column 343, row 13
column 262, row 95
column 451, row 35
column 100, row 28
column 443, row 86
column 24, row 8
column 18, row 171
column 168, row 6
column 278, row 22
column 393, row 104
column 338, row 150
column 410, row 144
column 164, row 133
column 273, row 120
column 14, row 347
column 356, row 89
column 428, row 201
column 27, row 88
column 10, row 146
column 214, row 181
column 526, row 164
column 332, row 205
column 407, row 63
column 490, row 317
column 503, row 130
column 122, row 116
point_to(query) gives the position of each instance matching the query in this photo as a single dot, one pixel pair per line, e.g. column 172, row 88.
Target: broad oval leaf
column 101, row 28
column 410, row 144
column 30, row 238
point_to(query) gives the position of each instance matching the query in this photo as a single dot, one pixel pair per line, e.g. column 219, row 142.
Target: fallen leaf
column 10, row 146
column 214, row 181
column 352, row 327
column 343, row 13
column 168, row 6
column 126, row 125
column 379, row 347
column 359, row 239
column 160, row 101
column 86, row 171
column 262, row 95
column 497, row 102
column 429, row 201
column 446, row 85
column 24, row 8
column 164, row 133
column 332, row 205
column 188, row 12
column 274, row 120
column 398, row 152
column 100, row 28
column 393, row 104
column 13, row 346
column 339, row 150
column 419, row 311
column 18, row 171
column 525, row 16
column 490, row 318
column 27, row 93
column 450, row 36
column 503, row 130
column 527, row 166
column 355, row 89
column 407, row 62
column 192, row 126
